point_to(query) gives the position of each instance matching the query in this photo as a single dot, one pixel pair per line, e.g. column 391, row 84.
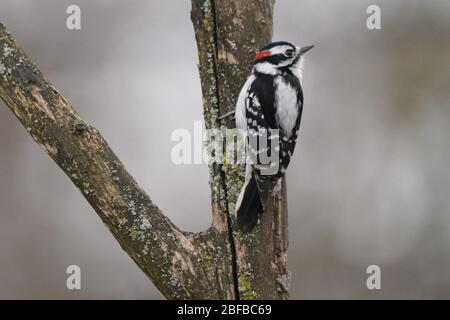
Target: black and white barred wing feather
column 263, row 144
column 249, row 206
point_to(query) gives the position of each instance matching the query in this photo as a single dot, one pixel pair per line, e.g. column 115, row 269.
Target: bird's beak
column 305, row 49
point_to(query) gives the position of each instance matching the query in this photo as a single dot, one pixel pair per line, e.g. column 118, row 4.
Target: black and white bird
column 271, row 100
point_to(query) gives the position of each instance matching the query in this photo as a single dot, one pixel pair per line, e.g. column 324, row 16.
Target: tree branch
column 174, row 261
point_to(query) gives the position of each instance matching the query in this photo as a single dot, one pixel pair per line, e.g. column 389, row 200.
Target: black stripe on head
column 275, row 59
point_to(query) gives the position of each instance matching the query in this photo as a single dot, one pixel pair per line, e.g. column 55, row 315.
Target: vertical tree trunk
column 228, row 34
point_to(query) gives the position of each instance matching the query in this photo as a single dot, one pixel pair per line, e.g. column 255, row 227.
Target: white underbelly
column 286, row 105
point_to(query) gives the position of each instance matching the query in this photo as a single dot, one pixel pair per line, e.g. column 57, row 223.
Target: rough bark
column 219, row 263
column 181, row 265
column 228, row 34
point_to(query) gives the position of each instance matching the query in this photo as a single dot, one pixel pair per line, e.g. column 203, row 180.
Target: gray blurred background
column 369, row 184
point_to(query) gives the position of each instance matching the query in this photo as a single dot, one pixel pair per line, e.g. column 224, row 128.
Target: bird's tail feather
column 266, row 186
column 250, row 207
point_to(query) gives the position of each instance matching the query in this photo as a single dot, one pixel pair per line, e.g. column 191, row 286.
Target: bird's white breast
column 286, row 105
column 297, row 68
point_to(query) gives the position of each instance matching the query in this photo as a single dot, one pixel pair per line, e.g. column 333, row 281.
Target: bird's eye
column 289, row 53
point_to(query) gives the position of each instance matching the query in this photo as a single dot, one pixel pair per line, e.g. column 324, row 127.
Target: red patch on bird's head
column 263, row 54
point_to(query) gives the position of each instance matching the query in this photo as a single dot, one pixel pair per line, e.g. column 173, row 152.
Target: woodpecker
column 269, row 105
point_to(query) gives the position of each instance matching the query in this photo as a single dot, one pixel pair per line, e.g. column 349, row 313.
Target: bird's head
column 278, row 55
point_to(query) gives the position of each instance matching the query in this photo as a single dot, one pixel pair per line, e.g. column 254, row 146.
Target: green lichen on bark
column 178, row 266
column 231, row 31
column 202, row 16
column 246, row 287
column 220, row 263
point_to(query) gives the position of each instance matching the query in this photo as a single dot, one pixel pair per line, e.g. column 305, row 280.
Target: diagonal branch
column 181, row 265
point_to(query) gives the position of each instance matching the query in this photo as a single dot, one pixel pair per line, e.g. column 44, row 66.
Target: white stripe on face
column 280, row 49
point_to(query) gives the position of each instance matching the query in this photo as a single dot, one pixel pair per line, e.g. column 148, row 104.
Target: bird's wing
column 241, row 118
column 262, row 132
